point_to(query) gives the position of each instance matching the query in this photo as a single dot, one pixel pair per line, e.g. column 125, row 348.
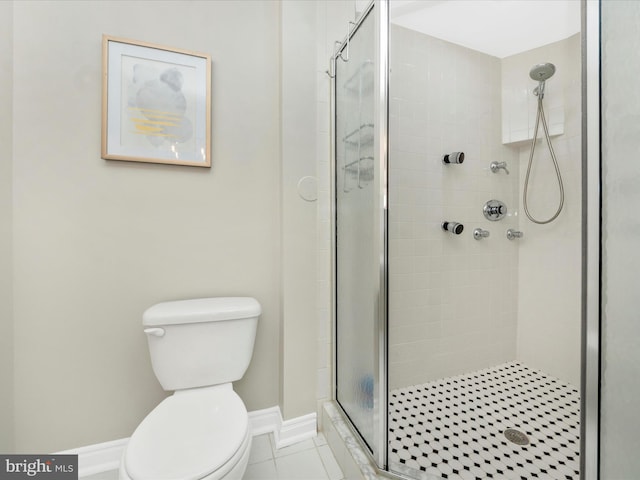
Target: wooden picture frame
column 156, row 104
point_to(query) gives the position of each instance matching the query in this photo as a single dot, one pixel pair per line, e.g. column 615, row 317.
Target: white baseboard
column 296, row 430
column 267, row 420
column 103, row 457
column 98, row 458
column 285, row 432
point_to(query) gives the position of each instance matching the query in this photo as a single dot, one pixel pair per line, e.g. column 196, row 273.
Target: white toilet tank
column 201, row 342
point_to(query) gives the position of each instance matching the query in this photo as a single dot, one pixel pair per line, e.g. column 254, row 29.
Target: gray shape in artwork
column 161, row 96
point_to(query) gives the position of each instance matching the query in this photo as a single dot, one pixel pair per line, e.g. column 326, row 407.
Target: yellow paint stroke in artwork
column 147, row 128
column 154, row 121
column 167, row 123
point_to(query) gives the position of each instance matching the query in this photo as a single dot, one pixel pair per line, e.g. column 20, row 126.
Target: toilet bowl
column 202, row 431
column 193, row 434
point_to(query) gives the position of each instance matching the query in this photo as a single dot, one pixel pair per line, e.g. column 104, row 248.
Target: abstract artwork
column 156, row 104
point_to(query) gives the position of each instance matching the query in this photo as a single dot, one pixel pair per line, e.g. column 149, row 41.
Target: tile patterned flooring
column 308, row 460
column 454, row 428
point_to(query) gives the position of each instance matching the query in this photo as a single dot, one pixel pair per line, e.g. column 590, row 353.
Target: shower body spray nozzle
column 453, row 227
column 455, row 157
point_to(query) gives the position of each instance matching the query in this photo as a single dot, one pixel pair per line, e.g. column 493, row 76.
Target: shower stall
column 460, row 321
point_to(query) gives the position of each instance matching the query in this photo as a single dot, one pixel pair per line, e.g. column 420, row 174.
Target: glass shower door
column 357, row 208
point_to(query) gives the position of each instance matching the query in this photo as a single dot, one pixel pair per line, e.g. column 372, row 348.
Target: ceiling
column 496, row 27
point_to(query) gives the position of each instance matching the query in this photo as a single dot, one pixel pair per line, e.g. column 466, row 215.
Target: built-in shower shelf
column 523, row 138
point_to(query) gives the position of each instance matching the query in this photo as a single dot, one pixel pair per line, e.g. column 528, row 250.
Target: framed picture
column 156, row 104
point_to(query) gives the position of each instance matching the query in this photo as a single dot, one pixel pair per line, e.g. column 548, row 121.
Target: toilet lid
column 188, row 435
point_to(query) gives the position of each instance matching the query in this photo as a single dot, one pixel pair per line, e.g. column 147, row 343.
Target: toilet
column 201, row 432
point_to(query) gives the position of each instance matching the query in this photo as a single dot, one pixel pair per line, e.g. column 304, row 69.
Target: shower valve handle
column 495, row 166
column 513, row 234
column 479, row 233
column 494, row 210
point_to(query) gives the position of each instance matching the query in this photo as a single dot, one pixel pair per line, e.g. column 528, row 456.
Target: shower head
column 542, row 71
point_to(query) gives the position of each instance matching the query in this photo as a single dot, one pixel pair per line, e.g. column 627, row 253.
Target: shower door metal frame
column 591, row 242
column 380, row 11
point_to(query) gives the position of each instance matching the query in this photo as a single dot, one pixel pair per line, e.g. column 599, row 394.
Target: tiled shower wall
column 452, row 299
column 550, row 256
column 459, row 304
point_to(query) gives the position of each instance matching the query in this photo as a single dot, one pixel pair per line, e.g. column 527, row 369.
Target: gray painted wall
column 299, row 135
column 97, row 242
column 6, row 141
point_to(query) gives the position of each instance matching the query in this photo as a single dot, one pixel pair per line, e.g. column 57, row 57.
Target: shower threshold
column 454, row 428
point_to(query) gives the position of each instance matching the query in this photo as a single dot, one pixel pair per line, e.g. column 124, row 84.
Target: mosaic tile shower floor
column 454, row 428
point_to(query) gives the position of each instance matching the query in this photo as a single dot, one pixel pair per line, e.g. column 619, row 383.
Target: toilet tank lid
column 201, row 310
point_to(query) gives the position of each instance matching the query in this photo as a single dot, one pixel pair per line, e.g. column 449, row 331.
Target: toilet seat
column 191, row 435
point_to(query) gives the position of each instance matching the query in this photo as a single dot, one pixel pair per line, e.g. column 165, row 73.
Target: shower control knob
column 479, row 233
column 496, row 166
column 513, row 234
column 494, row 210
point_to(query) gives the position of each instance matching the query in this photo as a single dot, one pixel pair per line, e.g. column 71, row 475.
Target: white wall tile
column 431, row 316
column 550, row 255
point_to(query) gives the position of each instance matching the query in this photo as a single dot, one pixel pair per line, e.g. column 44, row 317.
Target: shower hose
column 539, row 116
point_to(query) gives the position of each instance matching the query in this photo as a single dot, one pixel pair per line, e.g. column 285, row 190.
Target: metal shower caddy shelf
column 361, row 137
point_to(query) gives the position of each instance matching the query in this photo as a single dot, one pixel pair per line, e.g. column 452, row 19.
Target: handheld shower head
column 540, row 73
